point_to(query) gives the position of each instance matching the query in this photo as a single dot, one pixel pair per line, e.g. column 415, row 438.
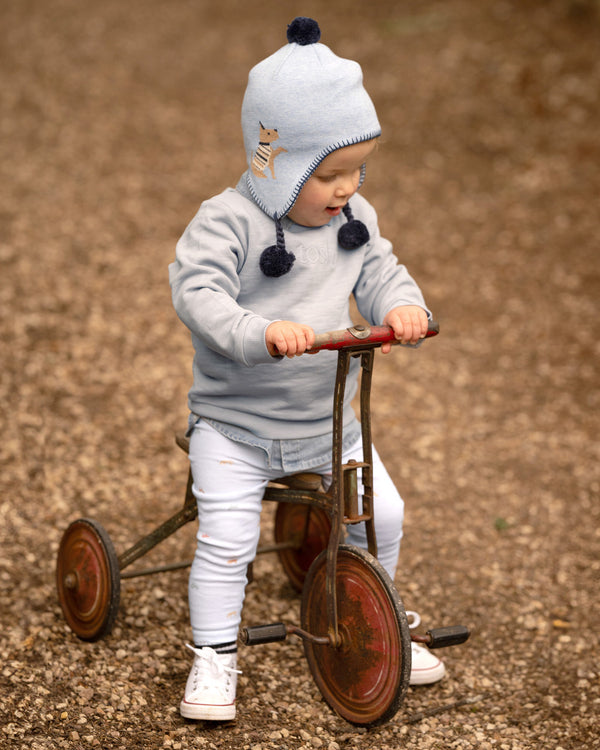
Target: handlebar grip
column 433, row 328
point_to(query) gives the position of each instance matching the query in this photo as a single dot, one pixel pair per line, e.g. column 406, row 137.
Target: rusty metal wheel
column 364, row 679
column 88, row 579
column 308, row 527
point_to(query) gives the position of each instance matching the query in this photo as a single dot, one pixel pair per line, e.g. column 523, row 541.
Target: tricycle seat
column 301, row 481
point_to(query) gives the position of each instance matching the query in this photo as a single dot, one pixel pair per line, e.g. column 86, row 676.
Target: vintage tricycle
column 353, row 624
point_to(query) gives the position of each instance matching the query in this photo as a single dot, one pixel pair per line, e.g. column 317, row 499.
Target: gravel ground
column 116, row 120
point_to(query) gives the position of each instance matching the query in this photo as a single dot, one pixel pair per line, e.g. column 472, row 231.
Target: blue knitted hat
column 301, row 103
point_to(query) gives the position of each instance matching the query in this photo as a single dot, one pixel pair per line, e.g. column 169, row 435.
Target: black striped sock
column 221, row 648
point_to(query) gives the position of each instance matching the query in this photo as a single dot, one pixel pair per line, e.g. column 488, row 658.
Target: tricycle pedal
column 256, row 634
column 451, row 635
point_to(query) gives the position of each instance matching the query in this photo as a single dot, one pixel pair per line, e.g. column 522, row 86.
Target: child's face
column 331, row 185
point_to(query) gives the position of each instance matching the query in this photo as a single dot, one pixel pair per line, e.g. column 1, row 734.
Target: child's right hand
column 285, row 338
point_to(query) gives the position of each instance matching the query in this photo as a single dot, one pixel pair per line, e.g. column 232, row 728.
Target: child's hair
column 301, row 103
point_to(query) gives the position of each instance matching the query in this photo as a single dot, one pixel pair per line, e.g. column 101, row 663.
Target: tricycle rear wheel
column 308, row 527
column 88, row 579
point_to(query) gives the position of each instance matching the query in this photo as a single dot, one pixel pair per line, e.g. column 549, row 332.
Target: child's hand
column 409, row 323
column 290, row 339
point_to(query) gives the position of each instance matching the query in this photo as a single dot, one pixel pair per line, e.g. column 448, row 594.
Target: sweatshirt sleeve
column 384, row 283
column 205, row 285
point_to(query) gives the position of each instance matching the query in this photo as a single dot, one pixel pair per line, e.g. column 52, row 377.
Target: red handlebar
column 362, row 336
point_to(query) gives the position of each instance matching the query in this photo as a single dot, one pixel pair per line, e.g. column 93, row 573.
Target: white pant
column 229, row 482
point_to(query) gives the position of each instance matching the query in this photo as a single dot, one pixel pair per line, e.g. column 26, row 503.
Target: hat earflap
column 275, row 261
column 354, row 233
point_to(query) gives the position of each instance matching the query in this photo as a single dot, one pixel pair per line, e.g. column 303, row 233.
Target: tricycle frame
column 89, row 572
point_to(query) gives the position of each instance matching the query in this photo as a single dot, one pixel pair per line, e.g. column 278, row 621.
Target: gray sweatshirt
column 223, row 297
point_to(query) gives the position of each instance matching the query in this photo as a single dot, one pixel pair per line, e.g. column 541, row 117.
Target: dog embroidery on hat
column 264, row 156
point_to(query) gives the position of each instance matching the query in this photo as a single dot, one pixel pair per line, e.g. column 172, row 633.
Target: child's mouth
column 334, row 210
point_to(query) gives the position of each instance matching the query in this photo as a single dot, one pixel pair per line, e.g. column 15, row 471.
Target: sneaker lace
column 208, row 666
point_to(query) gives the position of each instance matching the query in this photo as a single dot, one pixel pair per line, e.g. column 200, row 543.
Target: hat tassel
column 354, row 233
column 275, row 261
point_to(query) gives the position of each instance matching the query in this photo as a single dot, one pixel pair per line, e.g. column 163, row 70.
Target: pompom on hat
column 301, row 104
column 303, row 31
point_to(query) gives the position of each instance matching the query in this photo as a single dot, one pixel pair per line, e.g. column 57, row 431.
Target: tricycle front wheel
column 365, row 678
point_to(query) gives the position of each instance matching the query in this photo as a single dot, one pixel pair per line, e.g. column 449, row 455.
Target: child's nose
column 346, row 186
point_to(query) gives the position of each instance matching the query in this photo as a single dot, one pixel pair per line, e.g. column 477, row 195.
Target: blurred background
column 116, row 121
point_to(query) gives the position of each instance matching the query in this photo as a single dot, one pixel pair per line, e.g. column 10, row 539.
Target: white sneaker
column 210, row 687
column 426, row 668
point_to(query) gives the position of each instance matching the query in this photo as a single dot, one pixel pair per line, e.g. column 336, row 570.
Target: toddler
column 259, row 269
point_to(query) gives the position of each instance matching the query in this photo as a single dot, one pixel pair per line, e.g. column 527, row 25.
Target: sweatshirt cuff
column 255, row 345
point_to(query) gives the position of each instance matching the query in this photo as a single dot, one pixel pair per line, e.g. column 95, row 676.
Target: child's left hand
column 409, row 323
